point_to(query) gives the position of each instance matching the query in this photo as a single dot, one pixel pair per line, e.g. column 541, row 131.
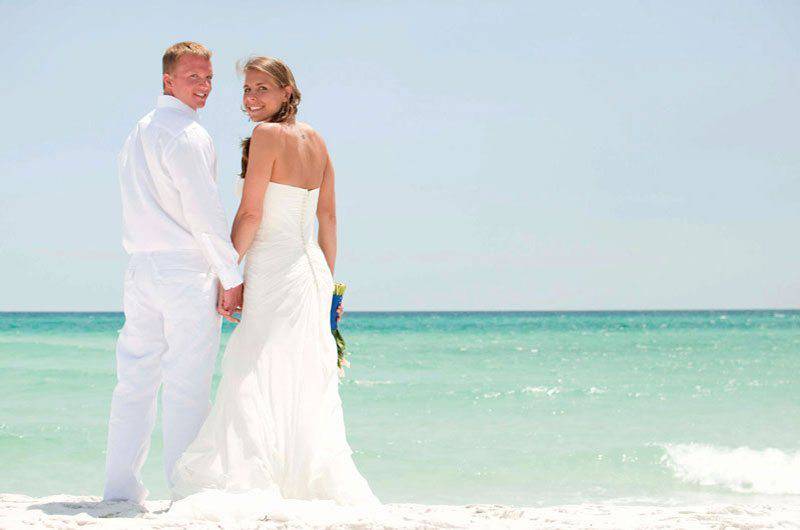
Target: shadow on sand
column 97, row 509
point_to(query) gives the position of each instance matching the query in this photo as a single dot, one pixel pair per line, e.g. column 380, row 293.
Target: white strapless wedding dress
column 274, row 441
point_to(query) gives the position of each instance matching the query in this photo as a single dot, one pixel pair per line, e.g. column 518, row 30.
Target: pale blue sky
column 542, row 156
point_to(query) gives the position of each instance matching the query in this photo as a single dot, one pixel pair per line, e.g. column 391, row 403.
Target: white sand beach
column 68, row 512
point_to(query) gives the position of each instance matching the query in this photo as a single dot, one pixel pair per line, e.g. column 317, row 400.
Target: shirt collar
column 174, row 103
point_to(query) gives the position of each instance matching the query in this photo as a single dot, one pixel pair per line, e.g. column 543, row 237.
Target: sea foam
column 739, row 469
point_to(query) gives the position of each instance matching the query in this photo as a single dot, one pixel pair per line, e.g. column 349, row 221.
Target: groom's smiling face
column 190, row 80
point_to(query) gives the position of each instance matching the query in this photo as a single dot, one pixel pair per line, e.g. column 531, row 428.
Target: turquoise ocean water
column 454, row 408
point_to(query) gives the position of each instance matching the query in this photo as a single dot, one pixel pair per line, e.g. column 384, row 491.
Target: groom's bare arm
column 265, row 144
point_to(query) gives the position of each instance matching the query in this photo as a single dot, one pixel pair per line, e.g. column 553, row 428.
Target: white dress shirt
column 167, row 172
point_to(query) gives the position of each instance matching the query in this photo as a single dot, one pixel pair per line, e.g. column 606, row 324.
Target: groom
column 177, row 236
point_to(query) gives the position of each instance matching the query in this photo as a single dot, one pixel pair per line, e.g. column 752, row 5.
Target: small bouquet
column 338, row 294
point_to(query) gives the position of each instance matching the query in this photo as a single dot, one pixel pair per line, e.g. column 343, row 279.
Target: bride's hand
column 220, row 290
column 339, row 312
column 229, row 302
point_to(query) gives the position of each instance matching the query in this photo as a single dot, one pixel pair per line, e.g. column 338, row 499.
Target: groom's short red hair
column 178, row 50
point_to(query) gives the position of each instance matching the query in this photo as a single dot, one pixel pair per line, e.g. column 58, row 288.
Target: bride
column 276, row 430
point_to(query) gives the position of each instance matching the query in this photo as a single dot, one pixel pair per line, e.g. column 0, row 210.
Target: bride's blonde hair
column 282, row 75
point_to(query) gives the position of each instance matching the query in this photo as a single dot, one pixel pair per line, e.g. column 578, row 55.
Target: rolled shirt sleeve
column 190, row 161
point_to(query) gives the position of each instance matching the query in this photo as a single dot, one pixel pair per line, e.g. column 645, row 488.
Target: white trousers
column 170, row 337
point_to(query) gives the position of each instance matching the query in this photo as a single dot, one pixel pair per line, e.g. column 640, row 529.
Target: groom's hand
column 229, row 302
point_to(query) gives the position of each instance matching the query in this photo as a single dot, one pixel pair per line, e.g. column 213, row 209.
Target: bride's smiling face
column 262, row 97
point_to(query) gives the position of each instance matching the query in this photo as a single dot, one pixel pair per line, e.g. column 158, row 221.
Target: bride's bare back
column 291, row 154
column 301, row 158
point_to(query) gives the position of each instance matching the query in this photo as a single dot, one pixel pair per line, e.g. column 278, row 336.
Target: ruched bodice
column 289, row 213
column 285, row 247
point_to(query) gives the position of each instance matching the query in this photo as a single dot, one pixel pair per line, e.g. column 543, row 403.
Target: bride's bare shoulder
column 305, row 129
column 312, row 134
column 267, row 136
column 266, row 129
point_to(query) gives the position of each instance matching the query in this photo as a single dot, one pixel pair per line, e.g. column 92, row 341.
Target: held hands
column 229, row 301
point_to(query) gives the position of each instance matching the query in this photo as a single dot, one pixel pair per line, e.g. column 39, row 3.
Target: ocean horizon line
column 452, row 311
